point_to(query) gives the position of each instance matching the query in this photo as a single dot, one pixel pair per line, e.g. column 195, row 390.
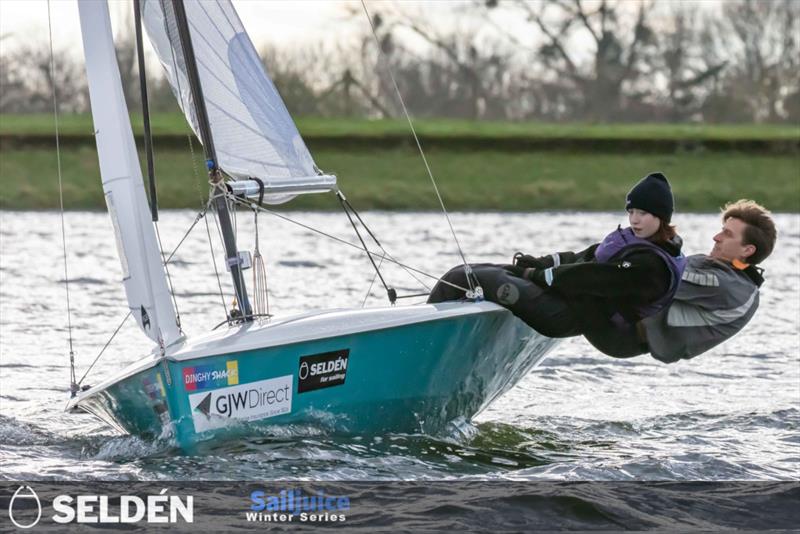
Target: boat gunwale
column 444, row 311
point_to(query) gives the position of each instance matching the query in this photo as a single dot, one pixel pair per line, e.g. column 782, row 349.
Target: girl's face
column 643, row 223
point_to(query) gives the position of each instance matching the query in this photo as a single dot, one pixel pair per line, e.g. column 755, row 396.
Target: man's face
column 728, row 242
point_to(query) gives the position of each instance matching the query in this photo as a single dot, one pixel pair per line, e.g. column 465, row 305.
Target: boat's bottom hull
column 408, row 378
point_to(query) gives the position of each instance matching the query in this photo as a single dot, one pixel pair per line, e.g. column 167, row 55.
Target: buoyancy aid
column 621, row 243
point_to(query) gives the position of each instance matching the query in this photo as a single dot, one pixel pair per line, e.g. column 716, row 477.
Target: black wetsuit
column 582, row 298
column 545, row 311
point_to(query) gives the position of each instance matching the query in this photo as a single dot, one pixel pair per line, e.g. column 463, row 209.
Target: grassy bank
column 175, row 124
column 475, row 180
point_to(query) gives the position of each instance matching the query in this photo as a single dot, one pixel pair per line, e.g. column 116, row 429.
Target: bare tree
column 764, row 45
column 690, row 61
column 125, row 48
column 617, row 37
column 28, row 81
column 451, row 72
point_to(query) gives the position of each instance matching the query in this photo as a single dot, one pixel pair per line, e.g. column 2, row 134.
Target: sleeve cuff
column 548, row 276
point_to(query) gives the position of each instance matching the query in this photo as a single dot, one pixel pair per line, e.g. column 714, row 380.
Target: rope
column 260, row 291
column 467, row 270
column 232, row 210
column 348, row 243
column 72, row 383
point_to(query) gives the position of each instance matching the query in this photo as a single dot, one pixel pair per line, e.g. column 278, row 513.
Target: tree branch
column 582, row 15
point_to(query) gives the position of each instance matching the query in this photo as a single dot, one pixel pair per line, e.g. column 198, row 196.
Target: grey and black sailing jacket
column 713, row 302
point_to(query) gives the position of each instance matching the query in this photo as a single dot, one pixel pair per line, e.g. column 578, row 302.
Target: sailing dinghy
column 363, row 371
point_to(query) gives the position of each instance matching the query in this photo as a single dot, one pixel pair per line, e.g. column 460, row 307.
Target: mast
column 234, row 261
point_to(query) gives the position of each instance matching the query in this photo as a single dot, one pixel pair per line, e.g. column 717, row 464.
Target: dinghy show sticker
column 323, row 370
column 211, row 376
column 246, row 402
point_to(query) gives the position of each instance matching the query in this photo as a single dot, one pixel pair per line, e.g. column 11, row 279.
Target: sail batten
column 253, row 133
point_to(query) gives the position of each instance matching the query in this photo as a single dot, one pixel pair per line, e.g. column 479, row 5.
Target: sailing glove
column 540, row 277
column 528, row 261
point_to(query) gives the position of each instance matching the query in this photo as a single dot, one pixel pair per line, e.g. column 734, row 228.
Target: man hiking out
column 717, row 294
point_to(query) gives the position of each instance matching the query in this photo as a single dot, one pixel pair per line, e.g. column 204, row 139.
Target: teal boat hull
column 413, row 377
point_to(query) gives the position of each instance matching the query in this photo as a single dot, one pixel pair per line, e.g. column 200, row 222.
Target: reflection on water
column 730, row 414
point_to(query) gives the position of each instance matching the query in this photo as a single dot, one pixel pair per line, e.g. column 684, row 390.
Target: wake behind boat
column 374, row 370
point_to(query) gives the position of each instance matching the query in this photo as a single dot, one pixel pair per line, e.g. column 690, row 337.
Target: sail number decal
column 323, row 370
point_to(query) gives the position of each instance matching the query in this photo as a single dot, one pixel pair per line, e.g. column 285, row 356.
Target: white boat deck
column 320, row 325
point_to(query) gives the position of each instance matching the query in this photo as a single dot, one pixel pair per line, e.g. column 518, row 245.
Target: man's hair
column 760, row 230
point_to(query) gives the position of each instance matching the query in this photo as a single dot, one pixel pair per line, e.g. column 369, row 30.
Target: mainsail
column 254, row 135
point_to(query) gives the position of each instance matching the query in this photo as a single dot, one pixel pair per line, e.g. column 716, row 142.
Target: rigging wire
column 72, row 384
column 199, row 216
column 344, row 199
column 350, row 244
column 104, row 347
column 372, row 283
column 467, row 269
column 218, row 189
column 169, row 278
column 390, row 291
column 208, row 229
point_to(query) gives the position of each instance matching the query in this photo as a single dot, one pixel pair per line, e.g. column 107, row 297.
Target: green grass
column 396, row 179
column 174, row 124
column 481, row 177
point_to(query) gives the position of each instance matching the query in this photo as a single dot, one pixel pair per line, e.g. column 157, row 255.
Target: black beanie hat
column 653, row 195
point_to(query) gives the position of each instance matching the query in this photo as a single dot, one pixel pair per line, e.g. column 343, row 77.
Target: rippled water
column 730, row 414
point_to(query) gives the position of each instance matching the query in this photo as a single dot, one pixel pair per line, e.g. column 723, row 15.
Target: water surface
column 732, row 413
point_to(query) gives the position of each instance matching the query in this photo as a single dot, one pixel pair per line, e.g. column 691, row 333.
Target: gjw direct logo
column 25, row 509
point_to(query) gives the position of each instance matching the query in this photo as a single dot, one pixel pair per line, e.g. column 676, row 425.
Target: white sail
column 142, row 271
column 254, row 135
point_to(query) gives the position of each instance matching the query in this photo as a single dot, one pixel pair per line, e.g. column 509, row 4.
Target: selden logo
column 324, row 370
column 247, row 402
column 211, row 376
column 161, row 508
column 25, row 508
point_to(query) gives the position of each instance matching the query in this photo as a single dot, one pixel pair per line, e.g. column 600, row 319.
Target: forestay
column 254, row 135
